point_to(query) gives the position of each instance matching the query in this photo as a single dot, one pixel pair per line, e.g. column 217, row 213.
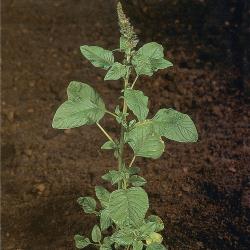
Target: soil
column 201, row 190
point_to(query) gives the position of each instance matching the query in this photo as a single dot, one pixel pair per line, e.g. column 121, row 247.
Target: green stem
column 133, row 84
column 104, row 131
column 108, row 112
column 132, row 161
column 124, row 111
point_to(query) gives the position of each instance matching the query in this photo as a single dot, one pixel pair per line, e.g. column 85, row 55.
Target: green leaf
column 96, row 234
column 105, row 221
column 137, row 181
column 152, row 50
column 107, row 244
column 137, row 245
column 156, row 246
column 142, row 65
column 107, row 240
column 88, row 204
column 137, row 102
column 103, row 195
column 159, row 225
column 98, row 56
column 175, row 126
column 146, row 229
column 105, row 247
column 154, row 238
column 113, row 176
column 81, row 241
column 160, row 64
column 144, row 141
column 123, row 237
column 116, row 72
column 150, row 58
column 84, row 107
column 109, row 145
column 128, row 206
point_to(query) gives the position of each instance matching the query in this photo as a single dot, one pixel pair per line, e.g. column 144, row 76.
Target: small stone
column 232, row 169
column 10, row 116
column 32, row 84
column 28, row 152
column 186, row 188
column 40, row 188
column 199, row 244
column 31, row 110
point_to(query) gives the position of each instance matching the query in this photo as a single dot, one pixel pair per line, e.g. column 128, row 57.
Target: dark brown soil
column 202, row 190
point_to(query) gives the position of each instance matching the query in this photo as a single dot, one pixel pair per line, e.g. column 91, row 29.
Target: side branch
column 104, row 131
column 110, row 113
column 132, row 161
column 133, row 84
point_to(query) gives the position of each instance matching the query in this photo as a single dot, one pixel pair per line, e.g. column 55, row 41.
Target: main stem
column 124, row 111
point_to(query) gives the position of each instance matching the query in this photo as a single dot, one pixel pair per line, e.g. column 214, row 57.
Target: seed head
column 126, row 29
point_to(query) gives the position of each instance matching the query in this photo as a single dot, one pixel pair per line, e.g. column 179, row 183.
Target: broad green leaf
column 154, row 238
column 152, row 50
column 147, row 229
column 128, row 206
column 108, row 145
column 113, row 176
column 96, row 234
column 137, row 181
column 156, row 246
column 107, row 244
column 81, row 241
column 83, row 107
column 116, row 72
column 107, row 240
column 175, row 126
column 105, row 247
column 160, row 64
column 98, row 56
column 159, row 225
column 123, row 237
column 144, row 141
column 103, row 195
column 137, row 102
column 142, row 65
column 150, row 58
column 137, row 245
column 105, row 221
column 88, row 204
